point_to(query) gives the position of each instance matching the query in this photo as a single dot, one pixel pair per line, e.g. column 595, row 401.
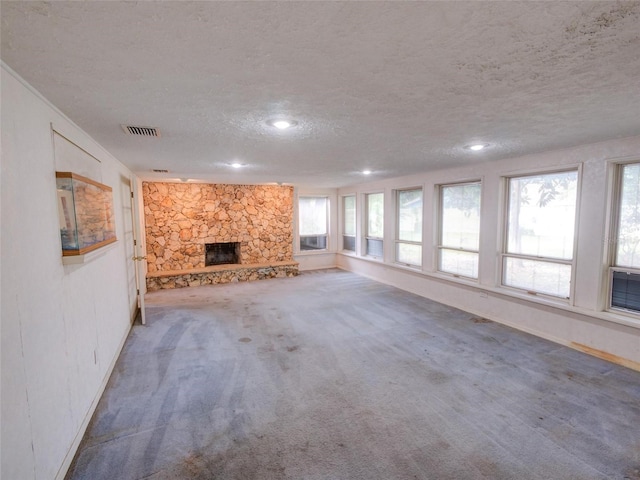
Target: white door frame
column 139, row 254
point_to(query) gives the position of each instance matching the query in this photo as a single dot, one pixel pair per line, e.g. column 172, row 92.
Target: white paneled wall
column 62, row 325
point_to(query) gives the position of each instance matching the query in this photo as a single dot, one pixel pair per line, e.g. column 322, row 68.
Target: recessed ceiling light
column 282, row 124
column 236, row 165
column 476, row 147
column 366, row 172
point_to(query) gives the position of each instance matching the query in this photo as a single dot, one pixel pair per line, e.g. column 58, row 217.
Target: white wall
column 62, row 326
column 581, row 323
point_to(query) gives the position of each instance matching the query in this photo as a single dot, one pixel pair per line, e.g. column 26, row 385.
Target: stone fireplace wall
column 180, row 218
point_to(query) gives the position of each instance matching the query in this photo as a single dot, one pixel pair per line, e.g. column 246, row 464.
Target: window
column 409, row 227
column 625, row 274
column 313, row 218
column 375, row 224
column 349, row 223
column 540, row 233
column 459, row 240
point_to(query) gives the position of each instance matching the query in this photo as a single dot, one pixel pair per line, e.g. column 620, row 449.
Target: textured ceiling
column 396, row 87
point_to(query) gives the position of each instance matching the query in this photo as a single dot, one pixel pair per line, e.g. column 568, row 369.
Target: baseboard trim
column 323, row 267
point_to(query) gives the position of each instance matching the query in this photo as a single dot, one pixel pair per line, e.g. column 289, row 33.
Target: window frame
column 439, row 231
column 397, row 240
column 366, row 235
column 577, row 168
column 343, row 222
column 327, row 235
column 614, row 210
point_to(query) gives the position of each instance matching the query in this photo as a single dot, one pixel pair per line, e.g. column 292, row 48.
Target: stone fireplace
column 254, row 222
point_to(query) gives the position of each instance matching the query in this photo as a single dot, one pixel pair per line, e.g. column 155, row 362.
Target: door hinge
column 135, row 242
column 138, row 291
column 131, row 194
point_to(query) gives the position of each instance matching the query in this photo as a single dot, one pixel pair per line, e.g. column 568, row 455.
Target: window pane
column 410, row 215
column 375, row 215
column 544, row 277
column 374, row 247
column 628, row 251
column 313, row 215
column 460, row 216
column 542, row 213
column 459, row 263
column 349, row 204
column 409, row 253
column 349, row 243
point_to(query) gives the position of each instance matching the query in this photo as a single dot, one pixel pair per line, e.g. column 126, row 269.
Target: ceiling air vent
column 141, row 131
column 160, row 170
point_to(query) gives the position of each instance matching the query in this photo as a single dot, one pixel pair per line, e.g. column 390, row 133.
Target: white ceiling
column 396, row 87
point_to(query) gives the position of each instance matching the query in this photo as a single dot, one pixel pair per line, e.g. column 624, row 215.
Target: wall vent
column 141, row 131
column 160, row 170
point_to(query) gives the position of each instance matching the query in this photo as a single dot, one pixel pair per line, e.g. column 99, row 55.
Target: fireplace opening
column 221, row 253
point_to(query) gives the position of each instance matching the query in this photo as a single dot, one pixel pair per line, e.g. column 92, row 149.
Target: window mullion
column 562, row 261
column 457, row 249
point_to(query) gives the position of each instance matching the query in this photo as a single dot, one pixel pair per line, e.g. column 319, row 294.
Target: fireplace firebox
column 222, row 253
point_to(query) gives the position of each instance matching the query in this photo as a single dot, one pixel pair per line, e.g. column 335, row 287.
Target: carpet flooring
column 330, row 375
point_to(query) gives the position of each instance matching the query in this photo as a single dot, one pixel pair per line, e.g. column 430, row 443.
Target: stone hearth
column 218, row 274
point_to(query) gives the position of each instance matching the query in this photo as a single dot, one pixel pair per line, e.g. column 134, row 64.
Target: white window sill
column 314, row 252
column 407, row 267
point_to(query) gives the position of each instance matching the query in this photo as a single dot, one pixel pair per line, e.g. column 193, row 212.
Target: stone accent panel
column 180, row 218
column 218, row 276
